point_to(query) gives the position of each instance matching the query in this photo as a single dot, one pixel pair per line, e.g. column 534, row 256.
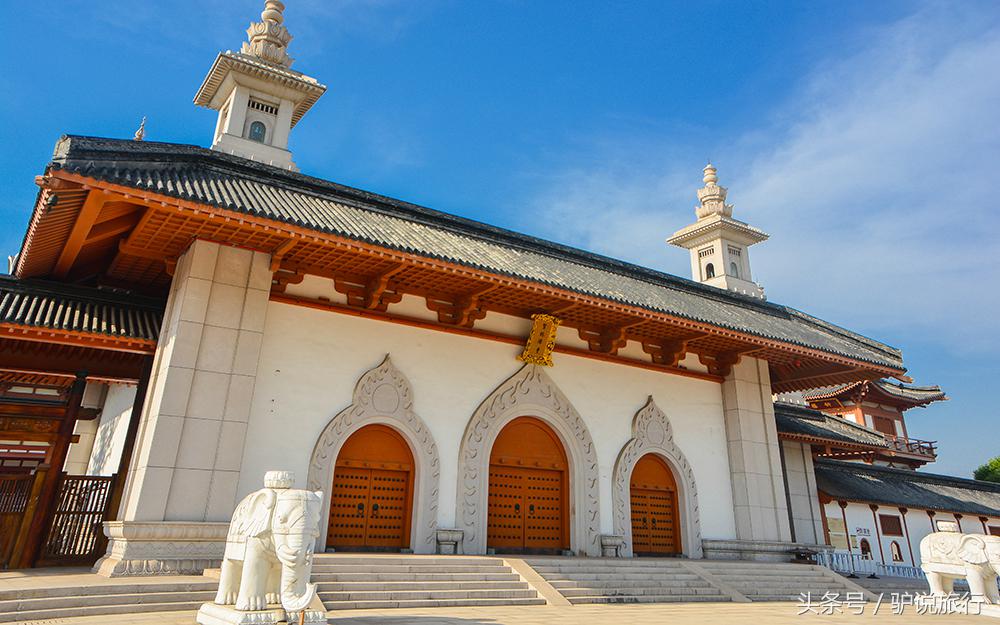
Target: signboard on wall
column 838, row 533
column 863, row 531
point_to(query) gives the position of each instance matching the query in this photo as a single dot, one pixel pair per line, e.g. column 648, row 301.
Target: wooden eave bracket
column 282, row 278
column 279, row 253
column 670, row 352
column 369, row 293
column 722, row 363
column 463, row 311
column 607, row 340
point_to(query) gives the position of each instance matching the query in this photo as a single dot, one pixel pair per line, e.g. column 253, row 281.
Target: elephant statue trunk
column 295, row 556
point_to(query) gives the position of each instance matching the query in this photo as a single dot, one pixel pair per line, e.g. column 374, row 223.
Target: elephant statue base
column 947, row 555
column 214, row 614
column 268, row 561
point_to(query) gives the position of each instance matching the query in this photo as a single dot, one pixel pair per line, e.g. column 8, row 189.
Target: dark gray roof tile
column 910, row 489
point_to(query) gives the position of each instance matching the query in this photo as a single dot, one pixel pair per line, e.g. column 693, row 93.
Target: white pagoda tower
column 258, row 96
column 718, row 243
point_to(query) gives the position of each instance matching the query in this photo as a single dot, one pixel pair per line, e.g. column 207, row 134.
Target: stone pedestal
column 612, row 545
column 164, row 548
column 449, row 541
column 213, row 614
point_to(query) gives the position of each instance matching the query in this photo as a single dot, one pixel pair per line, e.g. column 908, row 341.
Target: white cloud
column 876, row 181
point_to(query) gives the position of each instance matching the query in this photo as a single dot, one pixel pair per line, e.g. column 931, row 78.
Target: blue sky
column 862, row 136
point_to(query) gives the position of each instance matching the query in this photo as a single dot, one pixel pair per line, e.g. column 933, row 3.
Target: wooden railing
column 68, row 532
column 912, row 445
column 75, row 533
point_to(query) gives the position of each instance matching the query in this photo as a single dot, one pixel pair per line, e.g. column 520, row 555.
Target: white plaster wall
column 79, row 452
column 111, row 431
column 918, row 525
column 311, row 359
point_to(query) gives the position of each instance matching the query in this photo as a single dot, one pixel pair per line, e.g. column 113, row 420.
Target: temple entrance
column 372, row 495
column 528, row 490
column 655, row 519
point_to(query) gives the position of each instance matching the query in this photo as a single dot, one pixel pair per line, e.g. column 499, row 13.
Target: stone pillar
column 759, row 500
column 803, row 494
column 190, row 444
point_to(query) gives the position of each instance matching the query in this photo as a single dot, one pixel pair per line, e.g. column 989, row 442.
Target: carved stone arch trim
column 383, row 395
column 652, row 433
column 529, row 392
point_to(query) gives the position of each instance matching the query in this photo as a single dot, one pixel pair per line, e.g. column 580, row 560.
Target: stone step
column 341, row 569
column 577, row 582
column 45, row 603
column 330, row 598
column 618, row 577
column 322, row 578
column 378, row 560
column 432, row 603
column 585, row 563
column 633, row 591
column 646, row 599
column 360, row 582
column 355, row 586
column 108, row 589
column 783, row 583
column 97, row 610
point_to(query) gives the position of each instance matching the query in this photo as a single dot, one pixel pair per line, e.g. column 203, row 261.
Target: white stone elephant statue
column 269, row 548
column 946, row 556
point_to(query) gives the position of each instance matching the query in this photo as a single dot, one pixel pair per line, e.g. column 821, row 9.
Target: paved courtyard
column 689, row 614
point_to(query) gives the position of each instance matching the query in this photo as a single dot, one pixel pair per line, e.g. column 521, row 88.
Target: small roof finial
column 268, row 39
column 272, row 12
column 140, row 134
column 712, row 196
column 711, row 174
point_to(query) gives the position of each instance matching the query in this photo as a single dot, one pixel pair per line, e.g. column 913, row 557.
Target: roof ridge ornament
column 140, row 133
column 712, row 196
column 268, row 39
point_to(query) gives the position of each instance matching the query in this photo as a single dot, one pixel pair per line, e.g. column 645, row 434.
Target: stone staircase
column 775, row 581
column 352, row 581
column 639, row 580
column 887, row 585
column 45, row 603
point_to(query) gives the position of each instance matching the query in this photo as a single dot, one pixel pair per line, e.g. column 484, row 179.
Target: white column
column 190, row 444
column 754, row 458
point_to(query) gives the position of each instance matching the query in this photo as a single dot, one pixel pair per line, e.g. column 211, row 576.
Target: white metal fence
column 852, row 563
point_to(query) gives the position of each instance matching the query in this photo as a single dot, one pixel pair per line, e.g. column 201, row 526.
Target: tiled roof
column 910, row 489
column 55, row 306
column 804, row 421
column 917, row 395
column 210, row 177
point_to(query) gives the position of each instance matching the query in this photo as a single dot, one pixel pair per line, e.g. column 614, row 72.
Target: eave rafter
column 168, row 225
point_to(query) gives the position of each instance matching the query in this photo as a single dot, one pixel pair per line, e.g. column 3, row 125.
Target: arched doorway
column 655, row 519
column 528, row 509
column 372, row 495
